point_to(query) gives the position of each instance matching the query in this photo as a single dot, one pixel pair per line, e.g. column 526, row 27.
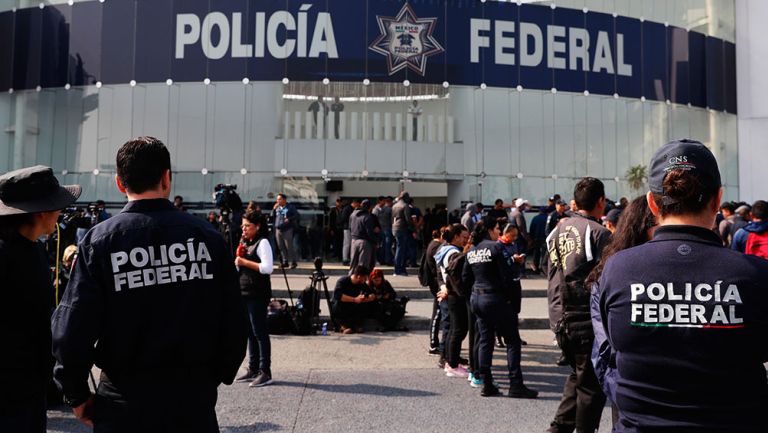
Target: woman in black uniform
column 255, row 263
column 495, row 305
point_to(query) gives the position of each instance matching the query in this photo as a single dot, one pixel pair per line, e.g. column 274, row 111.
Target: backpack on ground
column 279, row 320
column 757, row 245
column 306, row 310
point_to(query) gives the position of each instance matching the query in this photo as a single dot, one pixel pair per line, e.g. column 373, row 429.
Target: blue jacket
column 286, row 218
column 740, row 238
column 685, row 321
column 154, row 295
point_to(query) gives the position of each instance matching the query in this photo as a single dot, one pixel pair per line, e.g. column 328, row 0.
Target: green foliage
column 636, row 177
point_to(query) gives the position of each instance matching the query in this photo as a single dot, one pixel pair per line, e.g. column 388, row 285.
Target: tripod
column 318, row 278
column 285, row 276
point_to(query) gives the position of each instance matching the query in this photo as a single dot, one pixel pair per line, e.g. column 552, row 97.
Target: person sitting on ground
column 388, row 309
column 351, row 301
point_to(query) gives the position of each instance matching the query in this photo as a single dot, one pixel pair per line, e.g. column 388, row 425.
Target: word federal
column 565, row 47
column 161, row 264
column 695, row 305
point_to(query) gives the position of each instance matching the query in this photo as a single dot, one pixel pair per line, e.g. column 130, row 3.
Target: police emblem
column 406, row 40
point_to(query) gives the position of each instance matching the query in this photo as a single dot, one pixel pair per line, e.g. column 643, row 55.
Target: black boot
column 522, row 391
column 489, row 390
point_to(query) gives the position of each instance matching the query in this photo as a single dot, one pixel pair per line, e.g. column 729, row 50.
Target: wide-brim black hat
column 34, row 189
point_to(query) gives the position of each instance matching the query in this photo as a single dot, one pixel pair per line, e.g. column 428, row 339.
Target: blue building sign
column 460, row 42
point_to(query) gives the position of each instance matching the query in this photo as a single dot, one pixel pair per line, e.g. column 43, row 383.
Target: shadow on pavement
column 259, row 426
column 362, row 389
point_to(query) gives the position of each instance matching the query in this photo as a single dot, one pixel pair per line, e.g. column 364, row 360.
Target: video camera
column 226, row 199
column 80, row 217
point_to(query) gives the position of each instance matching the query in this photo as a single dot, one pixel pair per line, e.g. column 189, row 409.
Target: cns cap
column 687, row 155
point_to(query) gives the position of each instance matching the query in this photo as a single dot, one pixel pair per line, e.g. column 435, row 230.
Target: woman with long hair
column 635, row 227
column 255, row 264
column 495, row 304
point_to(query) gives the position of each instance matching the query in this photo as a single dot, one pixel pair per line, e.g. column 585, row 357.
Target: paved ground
column 384, row 382
column 379, row 383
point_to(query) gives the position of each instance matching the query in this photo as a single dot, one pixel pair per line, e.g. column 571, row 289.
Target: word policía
column 695, row 305
column 565, row 47
column 161, row 264
column 281, row 35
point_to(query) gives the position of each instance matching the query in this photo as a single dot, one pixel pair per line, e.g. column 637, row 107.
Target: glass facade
column 267, row 136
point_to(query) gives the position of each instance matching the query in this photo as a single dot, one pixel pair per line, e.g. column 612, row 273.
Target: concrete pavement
column 378, row 382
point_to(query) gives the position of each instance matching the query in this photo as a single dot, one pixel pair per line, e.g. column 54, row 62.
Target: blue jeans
column 496, row 315
column 445, row 325
column 401, row 253
column 385, row 252
column 259, row 346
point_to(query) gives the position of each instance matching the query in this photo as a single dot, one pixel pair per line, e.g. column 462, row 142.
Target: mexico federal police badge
column 406, row 40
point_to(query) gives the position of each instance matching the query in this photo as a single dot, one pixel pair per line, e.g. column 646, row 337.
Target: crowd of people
column 657, row 304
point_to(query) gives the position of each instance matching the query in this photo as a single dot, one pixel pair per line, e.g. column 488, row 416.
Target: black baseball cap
column 688, row 155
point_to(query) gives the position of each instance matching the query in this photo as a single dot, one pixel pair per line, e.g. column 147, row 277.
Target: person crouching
column 388, row 310
column 351, row 301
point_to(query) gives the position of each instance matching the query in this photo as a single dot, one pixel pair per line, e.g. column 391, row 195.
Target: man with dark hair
column 404, row 229
column 539, row 235
column 153, row 299
column 365, row 234
column 30, row 204
column 753, row 238
column 575, row 246
column 351, row 300
column 335, row 230
column 286, row 220
column 561, row 207
column 346, row 215
column 498, row 212
column 383, row 212
column 731, row 223
column 178, row 203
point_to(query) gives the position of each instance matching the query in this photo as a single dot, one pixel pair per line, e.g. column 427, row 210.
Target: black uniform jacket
column 154, row 294
column 687, row 321
column 25, row 316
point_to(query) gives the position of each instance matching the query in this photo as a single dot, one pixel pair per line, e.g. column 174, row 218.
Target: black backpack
column 307, row 309
column 425, row 276
column 279, row 317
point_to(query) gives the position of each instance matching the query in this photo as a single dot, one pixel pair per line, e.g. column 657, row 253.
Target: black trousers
column 496, row 314
column 474, row 340
column 457, row 308
column 350, row 314
column 583, row 400
column 24, row 414
column 149, row 407
column 434, row 326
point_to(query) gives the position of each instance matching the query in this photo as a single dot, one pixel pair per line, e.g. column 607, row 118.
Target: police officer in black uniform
column 685, row 316
column 30, row 200
column 154, row 302
column 496, row 305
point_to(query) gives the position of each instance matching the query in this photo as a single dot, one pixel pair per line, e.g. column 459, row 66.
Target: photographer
column 30, row 203
column 96, row 213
